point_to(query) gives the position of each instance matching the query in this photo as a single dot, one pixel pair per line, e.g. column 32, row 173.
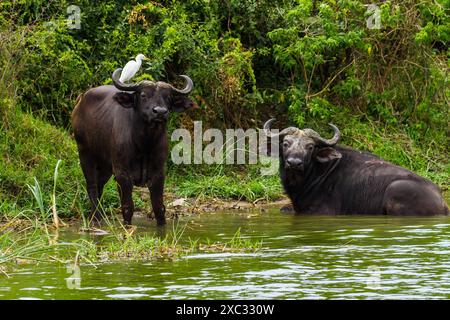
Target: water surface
column 303, row 257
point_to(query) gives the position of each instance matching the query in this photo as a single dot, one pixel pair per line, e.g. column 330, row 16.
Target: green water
column 302, row 257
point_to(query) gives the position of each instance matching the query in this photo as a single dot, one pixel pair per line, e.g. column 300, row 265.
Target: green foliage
column 314, row 49
column 248, row 185
column 30, row 149
column 305, row 62
column 55, row 71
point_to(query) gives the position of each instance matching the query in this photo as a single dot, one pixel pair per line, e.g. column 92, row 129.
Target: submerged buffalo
column 322, row 177
column 121, row 130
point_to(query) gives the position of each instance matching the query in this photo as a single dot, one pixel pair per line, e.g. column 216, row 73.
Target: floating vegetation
column 237, row 244
column 123, row 244
column 26, row 240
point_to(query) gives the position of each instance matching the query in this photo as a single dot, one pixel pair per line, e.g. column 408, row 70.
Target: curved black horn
column 327, row 142
column 287, row 131
column 120, row 85
column 187, row 89
column 336, row 136
column 267, row 127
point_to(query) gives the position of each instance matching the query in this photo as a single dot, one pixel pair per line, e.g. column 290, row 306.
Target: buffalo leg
column 156, row 195
column 103, row 177
column 126, row 200
column 90, row 172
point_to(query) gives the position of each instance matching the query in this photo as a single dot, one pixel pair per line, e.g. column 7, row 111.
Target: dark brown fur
column 118, row 134
column 339, row 180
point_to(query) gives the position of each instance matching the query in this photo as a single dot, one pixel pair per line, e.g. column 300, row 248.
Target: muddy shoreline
column 178, row 206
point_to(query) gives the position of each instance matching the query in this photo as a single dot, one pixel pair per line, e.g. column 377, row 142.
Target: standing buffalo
column 122, row 130
column 324, row 178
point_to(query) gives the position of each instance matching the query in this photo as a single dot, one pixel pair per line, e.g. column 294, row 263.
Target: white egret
column 131, row 68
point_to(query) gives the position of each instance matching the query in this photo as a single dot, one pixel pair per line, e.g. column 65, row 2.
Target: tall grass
column 24, row 239
column 37, row 193
column 240, row 182
column 54, row 212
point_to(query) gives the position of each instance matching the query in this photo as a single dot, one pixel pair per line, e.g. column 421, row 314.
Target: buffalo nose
column 293, row 162
column 159, row 110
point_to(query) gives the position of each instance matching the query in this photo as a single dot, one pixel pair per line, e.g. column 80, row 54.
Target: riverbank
column 176, row 206
column 32, row 183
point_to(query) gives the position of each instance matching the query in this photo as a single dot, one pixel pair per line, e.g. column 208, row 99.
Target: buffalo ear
column 125, row 99
column 181, row 104
column 327, row 154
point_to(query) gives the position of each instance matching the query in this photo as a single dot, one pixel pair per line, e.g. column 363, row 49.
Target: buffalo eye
column 310, row 147
column 285, row 144
column 143, row 95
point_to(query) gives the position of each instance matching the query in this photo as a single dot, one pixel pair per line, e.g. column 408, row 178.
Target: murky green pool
column 303, row 257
